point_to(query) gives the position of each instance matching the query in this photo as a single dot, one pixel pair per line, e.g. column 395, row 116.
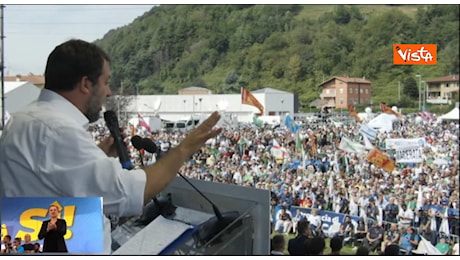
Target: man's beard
column 93, row 109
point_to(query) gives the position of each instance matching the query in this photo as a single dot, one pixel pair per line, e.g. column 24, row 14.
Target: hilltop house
column 339, row 92
column 442, row 90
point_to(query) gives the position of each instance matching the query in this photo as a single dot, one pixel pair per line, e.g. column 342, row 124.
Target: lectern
column 194, row 229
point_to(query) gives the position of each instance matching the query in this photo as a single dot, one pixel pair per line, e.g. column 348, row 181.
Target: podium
column 191, row 230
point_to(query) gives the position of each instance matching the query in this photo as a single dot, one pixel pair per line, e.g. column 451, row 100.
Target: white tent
column 383, row 122
column 19, row 94
column 452, row 115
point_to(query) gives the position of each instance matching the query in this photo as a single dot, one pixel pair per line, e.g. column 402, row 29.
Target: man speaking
column 45, row 150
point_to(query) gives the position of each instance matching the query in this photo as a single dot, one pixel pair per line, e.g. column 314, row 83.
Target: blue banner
column 328, row 217
column 84, row 218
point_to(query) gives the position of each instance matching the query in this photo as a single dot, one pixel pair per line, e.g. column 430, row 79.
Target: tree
column 411, row 87
column 342, row 15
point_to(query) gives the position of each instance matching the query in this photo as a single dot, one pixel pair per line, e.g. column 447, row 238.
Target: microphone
column 112, row 123
column 137, row 142
column 149, row 145
column 162, row 206
column 213, row 226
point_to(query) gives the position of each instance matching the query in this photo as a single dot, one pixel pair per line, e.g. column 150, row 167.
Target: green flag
column 256, row 121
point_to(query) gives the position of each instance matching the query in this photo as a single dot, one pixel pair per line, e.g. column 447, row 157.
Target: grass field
column 346, row 250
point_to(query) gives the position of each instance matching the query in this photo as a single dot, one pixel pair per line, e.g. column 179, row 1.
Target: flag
column 444, row 228
column 387, row 110
column 330, row 184
column 312, row 140
column 351, row 147
column 427, row 116
column 298, row 143
column 133, row 129
column 419, row 198
column 290, row 124
column 143, row 123
column 352, row 112
column 275, row 144
column 367, row 144
column 426, row 248
column 381, row 160
column 249, row 99
column 368, row 131
column 256, row 121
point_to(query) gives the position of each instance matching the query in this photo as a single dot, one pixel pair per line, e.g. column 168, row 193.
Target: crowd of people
column 298, row 173
column 17, row 246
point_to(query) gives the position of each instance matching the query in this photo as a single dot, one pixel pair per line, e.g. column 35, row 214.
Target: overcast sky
column 32, row 31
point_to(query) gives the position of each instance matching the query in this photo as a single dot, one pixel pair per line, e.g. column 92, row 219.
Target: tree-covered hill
column 288, row 47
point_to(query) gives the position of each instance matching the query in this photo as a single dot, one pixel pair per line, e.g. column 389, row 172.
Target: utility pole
column 424, row 96
column 2, row 36
column 419, row 91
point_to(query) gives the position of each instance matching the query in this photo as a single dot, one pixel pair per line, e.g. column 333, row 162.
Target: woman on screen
column 53, row 231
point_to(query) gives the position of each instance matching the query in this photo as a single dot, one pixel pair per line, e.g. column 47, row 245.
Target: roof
column 450, row 78
column 195, row 88
column 32, row 78
column 347, row 80
column 12, row 85
column 318, row 103
column 270, row 91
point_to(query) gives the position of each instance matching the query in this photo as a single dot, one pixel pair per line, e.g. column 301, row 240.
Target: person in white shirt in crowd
column 283, row 221
column 46, row 150
column 315, row 222
column 406, row 217
column 299, row 215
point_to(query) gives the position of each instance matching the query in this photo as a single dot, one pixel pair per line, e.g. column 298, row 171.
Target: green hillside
column 288, row 47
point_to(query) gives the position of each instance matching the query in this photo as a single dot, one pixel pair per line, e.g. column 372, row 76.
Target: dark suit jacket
column 298, row 245
column 53, row 239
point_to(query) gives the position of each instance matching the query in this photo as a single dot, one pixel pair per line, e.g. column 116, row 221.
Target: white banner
column 400, row 143
column 409, row 155
column 351, row 147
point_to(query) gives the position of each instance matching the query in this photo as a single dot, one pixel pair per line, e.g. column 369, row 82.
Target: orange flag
column 352, row 112
column 386, row 109
column 133, row 129
column 312, row 141
column 381, row 160
column 249, row 99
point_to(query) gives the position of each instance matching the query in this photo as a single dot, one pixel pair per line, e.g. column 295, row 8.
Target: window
column 341, row 90
column 367, row 91
column 356, row 91
column 327, row 91
column 361, row 91
column 447, row 85
column 351, row 91
column 341, row 101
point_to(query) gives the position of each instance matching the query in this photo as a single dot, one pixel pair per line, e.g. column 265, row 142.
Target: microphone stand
column 163, row 207
column 214, row 207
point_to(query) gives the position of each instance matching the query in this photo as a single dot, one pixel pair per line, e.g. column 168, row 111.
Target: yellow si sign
column 28, row 220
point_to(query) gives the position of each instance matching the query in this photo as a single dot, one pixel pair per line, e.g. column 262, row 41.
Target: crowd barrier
column 329, row 218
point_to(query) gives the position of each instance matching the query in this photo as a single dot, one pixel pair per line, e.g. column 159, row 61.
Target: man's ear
column 85, row 85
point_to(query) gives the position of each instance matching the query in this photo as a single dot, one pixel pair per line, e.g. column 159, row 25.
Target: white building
column 178, row 107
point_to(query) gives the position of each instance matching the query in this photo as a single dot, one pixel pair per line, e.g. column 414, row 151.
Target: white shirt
column 314, row 220
column 47, row 152
column 237, row 177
